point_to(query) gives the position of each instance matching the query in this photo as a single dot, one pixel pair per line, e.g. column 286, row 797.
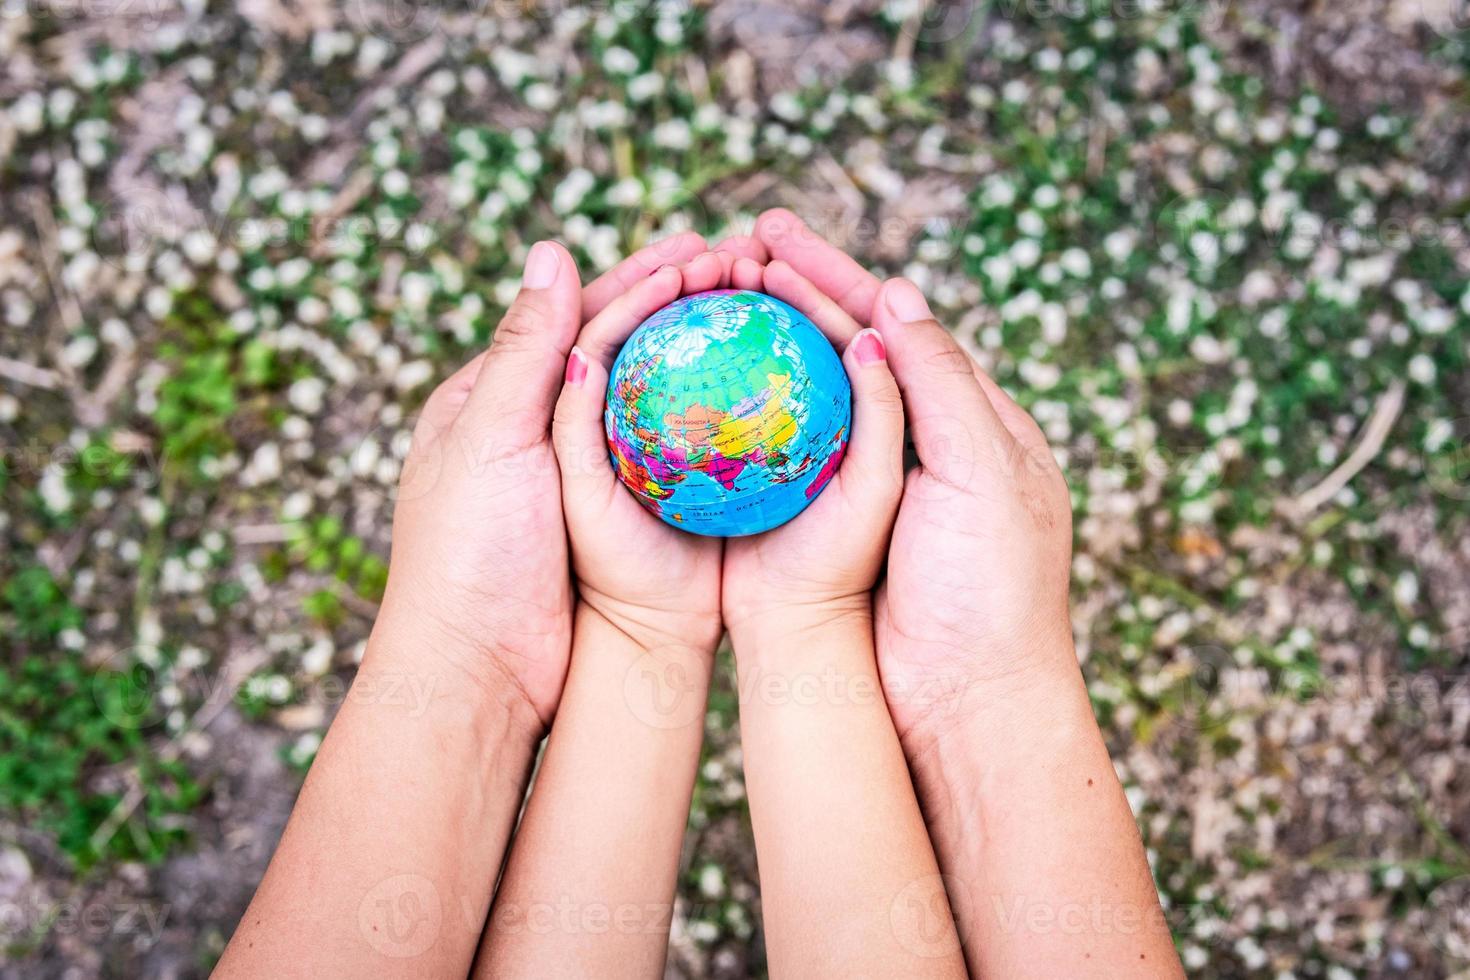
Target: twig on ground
column 1375, row 433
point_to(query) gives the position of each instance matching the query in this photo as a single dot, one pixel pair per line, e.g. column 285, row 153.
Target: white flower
column 627, row 192
column 787, row 106
column 998, row 193
column 1053, row 323
column 1421, row 369
column 346, row 303
column 1026, row 252
column 1406, row 588
column 264, row 466
column 645, row 86
column 620, row 61
column 1077, row 263
column 569, row 193
column 417, row 289
column 673, row 134
column 412, row 375
column 1119, row 245
column 307, row 395
column 55, row 494
column 1031, row 224
column 1016, row 91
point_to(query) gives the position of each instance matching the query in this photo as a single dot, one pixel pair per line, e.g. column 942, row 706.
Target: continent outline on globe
column 727, row 413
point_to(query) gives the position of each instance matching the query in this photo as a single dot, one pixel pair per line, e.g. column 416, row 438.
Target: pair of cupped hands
column 510, row 514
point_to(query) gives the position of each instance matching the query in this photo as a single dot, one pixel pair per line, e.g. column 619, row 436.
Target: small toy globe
column 727, row 413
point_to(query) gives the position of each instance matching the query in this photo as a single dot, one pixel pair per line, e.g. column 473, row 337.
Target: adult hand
column 479, row 574
column 978, row 668
column 653, row 582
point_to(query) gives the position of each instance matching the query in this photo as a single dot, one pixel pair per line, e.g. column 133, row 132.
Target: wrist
column 694, row 633
column 777, row 628
column 419, row 671
column 1025, row 718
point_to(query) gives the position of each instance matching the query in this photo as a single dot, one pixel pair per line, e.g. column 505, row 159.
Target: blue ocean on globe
column 727, row 413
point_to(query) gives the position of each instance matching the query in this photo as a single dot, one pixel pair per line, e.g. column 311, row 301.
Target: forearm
column 849, row 882
column 589, row 888
column 1035, row 836
column 387, row 865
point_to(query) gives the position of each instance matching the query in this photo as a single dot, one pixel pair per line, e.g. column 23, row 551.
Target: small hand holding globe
column 727, row 413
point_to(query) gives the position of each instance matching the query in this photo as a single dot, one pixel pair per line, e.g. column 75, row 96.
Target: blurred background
column 1217, row 247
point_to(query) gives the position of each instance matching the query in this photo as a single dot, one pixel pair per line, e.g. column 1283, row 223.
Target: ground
column 1217, row 247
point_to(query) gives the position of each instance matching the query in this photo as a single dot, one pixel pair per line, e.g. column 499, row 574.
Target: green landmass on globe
column 727, row 413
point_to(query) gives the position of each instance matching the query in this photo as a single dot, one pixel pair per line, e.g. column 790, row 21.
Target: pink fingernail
column 576, row 368
column 906, row 302
column 868, row 347
column 542, row 266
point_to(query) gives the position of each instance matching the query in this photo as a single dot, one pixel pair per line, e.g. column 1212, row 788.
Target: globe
column 727, row 413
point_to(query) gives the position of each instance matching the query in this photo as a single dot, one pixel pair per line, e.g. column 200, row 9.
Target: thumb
column 511, row 403
column 955, row 428
column 873, row 469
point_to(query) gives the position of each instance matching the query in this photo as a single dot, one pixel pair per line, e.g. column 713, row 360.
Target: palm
column 809, row 560
column 624, row 551
column 500, row 558
column 964, row 574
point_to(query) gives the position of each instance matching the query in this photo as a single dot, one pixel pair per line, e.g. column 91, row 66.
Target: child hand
column 823, row 564
column 654, row 582
column 978, row 568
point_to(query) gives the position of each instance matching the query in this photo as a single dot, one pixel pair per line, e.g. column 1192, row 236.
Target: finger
column 955, row 428
column 734, row 248
column 788, row 238
column 578, row 437
column 873, row 467
column 516, row 389
column 703, row 272
column 1022, row 427
column 785, row 283
column 747, row 274
column 744, row 246
column 443, row 405
column 605, row 333
column 675, row 250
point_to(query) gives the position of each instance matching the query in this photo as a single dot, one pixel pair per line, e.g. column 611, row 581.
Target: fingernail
column 542, row 266
column 906, row 302
column 576, row 368
column 868, row 347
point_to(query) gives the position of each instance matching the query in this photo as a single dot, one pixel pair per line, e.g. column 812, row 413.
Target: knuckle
column 949, row 359
column 519, row 327
column 886, row 398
